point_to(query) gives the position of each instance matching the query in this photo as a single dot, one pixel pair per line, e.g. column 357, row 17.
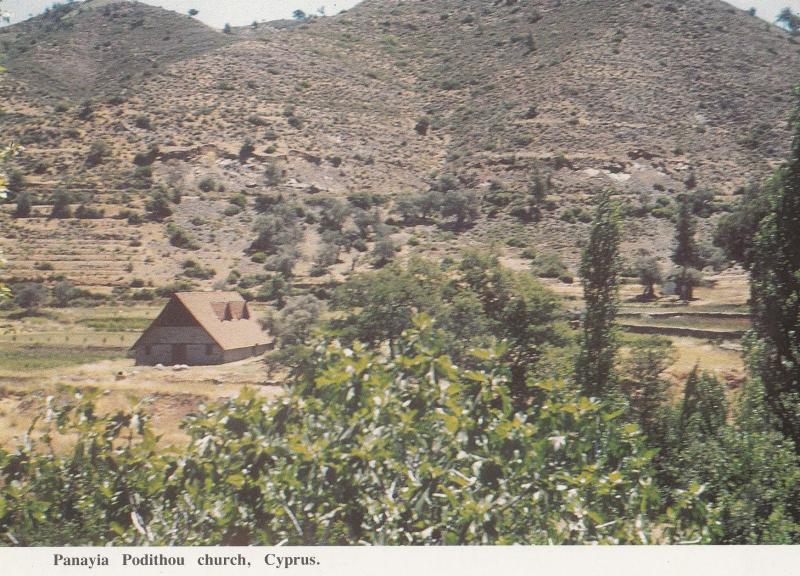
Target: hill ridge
column 391, row 99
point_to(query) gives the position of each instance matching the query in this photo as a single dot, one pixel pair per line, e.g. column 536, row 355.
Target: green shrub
column 88, row 212
column 142, row 121
column 148, row 156
column 180, row 238
column 24, row 206
column 64, row 293
column 273, row 173
column 576, row 214
column 207, row 184
column 265, row 202
column 98, row 152
column 257, row 120
column 239, row 200
column 192, row 269
column 566, row 470
column 145, row 295
column 157, row 207
column 15, row 181
column 31, row 296
column 247, row 150
column 61, row 205
column 549, row 265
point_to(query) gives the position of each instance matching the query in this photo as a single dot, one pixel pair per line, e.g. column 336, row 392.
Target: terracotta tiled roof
column 225, row 316
column 235, row 330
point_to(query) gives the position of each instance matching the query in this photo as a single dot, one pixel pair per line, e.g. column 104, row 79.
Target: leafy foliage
column 61, row 205
column 649, row 272
column 31, row 296
column 473, row 304
column 775, row 289
column 735, row 231
column 366, row 449
column 750, row 472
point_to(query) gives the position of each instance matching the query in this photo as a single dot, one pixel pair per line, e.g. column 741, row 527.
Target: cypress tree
column 685, row 255
column 599, row 275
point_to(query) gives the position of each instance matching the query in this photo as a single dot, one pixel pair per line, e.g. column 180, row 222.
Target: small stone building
column 199, row 328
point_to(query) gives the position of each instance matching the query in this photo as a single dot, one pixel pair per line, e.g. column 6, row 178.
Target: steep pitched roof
column 225, row 316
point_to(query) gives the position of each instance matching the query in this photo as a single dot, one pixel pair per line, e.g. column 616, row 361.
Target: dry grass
column 85, row 348
column 168, row 395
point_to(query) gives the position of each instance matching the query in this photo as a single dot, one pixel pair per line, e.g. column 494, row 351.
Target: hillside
column 100, row 46
column 387, row 100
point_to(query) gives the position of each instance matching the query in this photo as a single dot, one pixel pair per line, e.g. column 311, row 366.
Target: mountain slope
column 81, row 49
column 652, row 99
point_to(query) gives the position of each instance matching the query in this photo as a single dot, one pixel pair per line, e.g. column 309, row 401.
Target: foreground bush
column 366, row 449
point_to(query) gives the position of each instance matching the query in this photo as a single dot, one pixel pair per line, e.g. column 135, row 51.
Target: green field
column 62, row 337
column 29, row 358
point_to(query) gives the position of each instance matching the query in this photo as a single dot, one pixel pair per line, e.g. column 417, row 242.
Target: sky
column 217, row 13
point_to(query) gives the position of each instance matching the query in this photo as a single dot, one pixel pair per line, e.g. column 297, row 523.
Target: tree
column 31, row 297
column 649, row 271
column 227, row 29
column 643, row 386
column 599, row 272
column 193, row 12
column 378, row 306
column 327, row 255
column 790, row 20
column 383, row 252
column 734, row 459
column 775, row 293
column 61, row 205
column 538, row 187
column 24, row 206
column 293, row 324
column 685, row 254
column 519, row 311
column 283, row 260
column 274, row 231
column 685, row 280
column 464, row 205
column 406, row 207
column 299, row 15
column 736, row 231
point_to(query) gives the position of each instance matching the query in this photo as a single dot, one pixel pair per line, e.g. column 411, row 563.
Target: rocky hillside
column 487, row 102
